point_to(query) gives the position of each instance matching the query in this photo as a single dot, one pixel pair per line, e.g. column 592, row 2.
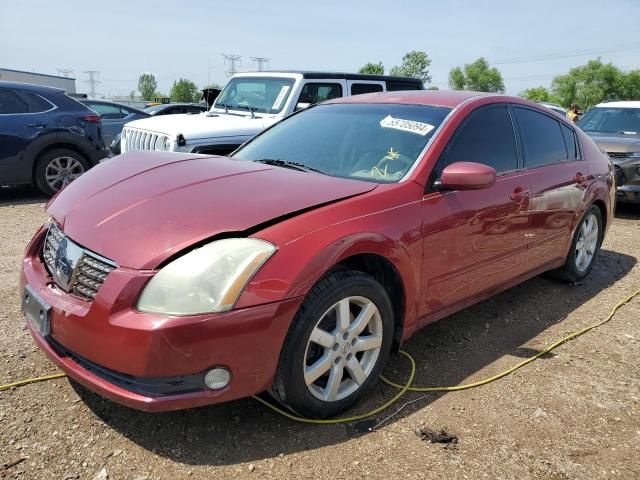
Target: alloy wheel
column 61, row 171
column 587, row 242
column 343, row 348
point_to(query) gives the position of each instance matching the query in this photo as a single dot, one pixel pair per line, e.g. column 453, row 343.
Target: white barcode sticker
column 406, row 125
column 280, row 97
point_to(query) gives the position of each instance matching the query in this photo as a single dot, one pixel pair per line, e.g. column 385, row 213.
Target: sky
column 529, row 42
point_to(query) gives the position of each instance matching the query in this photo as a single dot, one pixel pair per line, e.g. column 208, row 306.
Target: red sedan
column 166, row 281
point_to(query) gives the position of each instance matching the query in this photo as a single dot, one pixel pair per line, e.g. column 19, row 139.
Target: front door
column 475, row 240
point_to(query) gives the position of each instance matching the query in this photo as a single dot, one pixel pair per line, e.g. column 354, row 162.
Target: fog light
column 217, row 378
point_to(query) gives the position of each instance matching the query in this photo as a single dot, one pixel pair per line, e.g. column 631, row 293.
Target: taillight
column 91, row 118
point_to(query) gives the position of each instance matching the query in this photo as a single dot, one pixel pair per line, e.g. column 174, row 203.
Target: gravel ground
column 573, row 415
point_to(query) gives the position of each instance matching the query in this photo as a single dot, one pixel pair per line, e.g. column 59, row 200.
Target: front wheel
column 336, row 347
column 584, row 247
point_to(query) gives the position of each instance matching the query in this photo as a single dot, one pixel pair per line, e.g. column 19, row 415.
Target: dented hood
column 140, row 208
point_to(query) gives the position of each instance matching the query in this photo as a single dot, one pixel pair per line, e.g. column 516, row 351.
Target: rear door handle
column 37, row 125
column 519, row 194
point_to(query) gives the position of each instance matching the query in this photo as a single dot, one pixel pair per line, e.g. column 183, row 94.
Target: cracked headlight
column 207, row 279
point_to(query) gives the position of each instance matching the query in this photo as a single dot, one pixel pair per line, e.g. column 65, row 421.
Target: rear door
column 23, row 117
column 476, row 240
column 558, row 181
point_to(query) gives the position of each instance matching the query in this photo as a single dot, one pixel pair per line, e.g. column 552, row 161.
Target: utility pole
column 92, row 81
column 260, row 62
column 64, row 72
column 233, row 61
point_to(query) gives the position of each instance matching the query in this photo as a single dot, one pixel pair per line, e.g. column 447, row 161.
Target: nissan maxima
column 296, row 266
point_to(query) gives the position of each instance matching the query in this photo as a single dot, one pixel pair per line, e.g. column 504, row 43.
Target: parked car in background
column 47, row 138
column 296, row 265
column 114, row 116
column 555, row 107
column 249, row 103
column 175, row 108
column 615, row 127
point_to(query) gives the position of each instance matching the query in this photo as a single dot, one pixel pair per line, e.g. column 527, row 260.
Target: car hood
column 616, row 143
column 140, row 208
column 204, row 125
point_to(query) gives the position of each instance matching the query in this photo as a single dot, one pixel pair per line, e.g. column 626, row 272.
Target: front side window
column 374, row 142
column 265, row 95
column 611, row 120
column 319, row 92
column 485, row 137
column 542, row 139
column 11, row 103
column 106, row 111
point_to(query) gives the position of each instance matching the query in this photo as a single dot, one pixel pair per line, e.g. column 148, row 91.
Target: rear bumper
column 155, row 363
column 628, row 194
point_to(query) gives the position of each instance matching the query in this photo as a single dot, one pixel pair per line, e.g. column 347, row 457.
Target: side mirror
column 466, row 176
column 302, row 106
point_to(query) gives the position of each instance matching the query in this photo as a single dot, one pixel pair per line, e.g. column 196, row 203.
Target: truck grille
column 73, row 268
column 134, row 139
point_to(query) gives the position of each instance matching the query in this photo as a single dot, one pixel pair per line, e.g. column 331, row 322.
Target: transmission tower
column 232, row 61
column 64, row 72
column 260, row 62
column 92, row 81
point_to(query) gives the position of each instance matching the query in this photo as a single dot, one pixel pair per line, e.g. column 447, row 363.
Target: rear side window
column 360, row 88
column 542, row 138
column 570, row 142
column 486, row 137
column 319, row 92
column 12, row 103
column 35, row 102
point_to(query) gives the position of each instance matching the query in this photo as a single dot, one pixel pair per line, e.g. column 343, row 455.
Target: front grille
column 135, row 139
column 73, row 268
column 617, row 154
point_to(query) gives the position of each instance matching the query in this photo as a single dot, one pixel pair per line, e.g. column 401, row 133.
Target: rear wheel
column 57, row 168
column 584, row 247
column 336, row 347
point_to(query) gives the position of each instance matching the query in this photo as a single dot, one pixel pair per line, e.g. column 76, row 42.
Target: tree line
column 586, row 85
column 182, row 90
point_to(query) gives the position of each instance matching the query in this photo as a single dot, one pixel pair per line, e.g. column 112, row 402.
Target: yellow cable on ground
column 402, row 388
column 31, row 380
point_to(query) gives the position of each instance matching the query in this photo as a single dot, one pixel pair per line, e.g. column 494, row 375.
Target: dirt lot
column 573, row 415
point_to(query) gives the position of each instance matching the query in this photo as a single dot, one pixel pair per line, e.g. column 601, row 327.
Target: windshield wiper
column 226, row 107
column 288, row 164
column 252, row 110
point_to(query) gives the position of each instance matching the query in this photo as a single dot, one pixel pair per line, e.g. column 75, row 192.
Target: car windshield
column 264, row 95
column 374, row 142
column 611, row 120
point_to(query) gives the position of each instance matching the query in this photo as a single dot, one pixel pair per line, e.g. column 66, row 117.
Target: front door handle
column 519, row 194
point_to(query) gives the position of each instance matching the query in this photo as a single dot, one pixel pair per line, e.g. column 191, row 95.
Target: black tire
column 570, row 271
column 289, row 386
column 46, row 161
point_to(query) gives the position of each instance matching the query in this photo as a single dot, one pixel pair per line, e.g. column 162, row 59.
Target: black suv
column 46, row 138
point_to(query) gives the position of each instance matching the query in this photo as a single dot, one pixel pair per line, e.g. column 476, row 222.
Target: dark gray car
column 615, row 127
column 113, row 116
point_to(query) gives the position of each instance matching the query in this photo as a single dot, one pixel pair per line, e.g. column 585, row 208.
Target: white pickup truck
column 249, row 103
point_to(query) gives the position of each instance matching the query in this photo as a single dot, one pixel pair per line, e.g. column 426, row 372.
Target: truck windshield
column 264, row 95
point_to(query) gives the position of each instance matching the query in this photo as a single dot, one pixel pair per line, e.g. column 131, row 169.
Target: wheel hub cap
column 61, row 171
column 587, row 242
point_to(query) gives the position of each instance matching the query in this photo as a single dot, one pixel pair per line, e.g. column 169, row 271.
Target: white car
column 249, row 103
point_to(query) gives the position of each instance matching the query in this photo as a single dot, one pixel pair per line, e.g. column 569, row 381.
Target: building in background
column 68, row 84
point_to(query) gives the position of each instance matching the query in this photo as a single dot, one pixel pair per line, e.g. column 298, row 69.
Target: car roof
column 30, row 87
column 627, row 104
column 442, row 98
column 176, row 104
column 339, row 75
